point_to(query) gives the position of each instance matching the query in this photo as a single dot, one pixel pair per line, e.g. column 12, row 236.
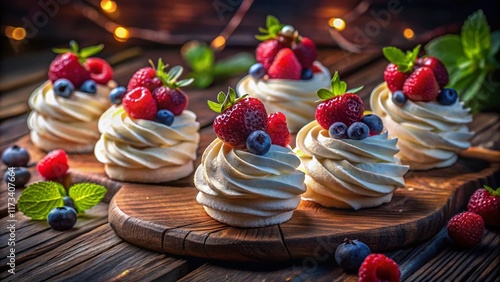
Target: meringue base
column 69, row 147
column 146, row 175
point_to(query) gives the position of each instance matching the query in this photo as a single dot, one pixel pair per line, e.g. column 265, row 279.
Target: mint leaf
column 448, row 49
column 354, row 90
column 198, row 56
column 238, row 63
column 271, row 21
column 202, row 79
column 394, row 55
column 86, row 195
column 38, row 199
column 475, row 36
column 91, row 50
column 324, row 94
column 495, row 46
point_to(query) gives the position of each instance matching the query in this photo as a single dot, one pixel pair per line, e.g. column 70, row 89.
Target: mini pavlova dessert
column 347, row 156
column 287, row 74
column 66, row 108
column 248, row 175
column 428, row 119
column 148, row 136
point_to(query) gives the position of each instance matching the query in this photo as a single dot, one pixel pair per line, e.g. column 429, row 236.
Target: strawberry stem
column 225, row 101
column 493, row 192
column 170, row 79
column 338, row 88
column 81, row 54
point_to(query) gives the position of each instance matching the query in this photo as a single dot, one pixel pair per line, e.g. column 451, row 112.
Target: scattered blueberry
column 165, row 117
column 351, row 254
column 19, row 176
column 89, row 86
column 258, row 142
column 15, row 156
column 68, row 202
column 62, row 218
column 358, row 131
column 338, row 130
column 63, row 87
column 257, row 71
column 374, row 123
column 116, row 94
column 399, row 98
column 447, row 96
column 306, row 74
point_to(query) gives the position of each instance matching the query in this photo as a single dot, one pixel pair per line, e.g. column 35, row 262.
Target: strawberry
column 337, row 105
column 140, row 104
column 54, row 165
column 285, row 66
column 486, row 203
column 378, row 267
column 100, row 71
column 306, row 52
column 421, row 85
column 277, row 129
column 466, row 229
column 400, row 67
column 266, row 52
column 437, row 67
column 237, row 118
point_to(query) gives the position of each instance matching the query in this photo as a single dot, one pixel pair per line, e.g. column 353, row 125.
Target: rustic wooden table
column 93, row 252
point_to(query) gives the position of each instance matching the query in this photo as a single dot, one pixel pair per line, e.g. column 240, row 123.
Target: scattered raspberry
column 277, row 129
column 54, row 165
column 378, row 267
column 144, row 77
column 486, row 202
column 67, row 66
column 100, row 71
column 466, row 229
column 306, row 52
column 285, row 65
column 139, row 103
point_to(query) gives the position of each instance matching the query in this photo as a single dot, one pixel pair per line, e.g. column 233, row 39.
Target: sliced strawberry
column 437, row 67
column 266, row 52
column 277, row 129
column 421, row 85
column 306, row 52
column 100, row 71
column 285, row 66
column 139, row 104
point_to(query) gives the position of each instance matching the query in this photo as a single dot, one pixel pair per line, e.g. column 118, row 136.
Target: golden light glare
column 337, row 23
column 218, row 43
column 19, row 33
column 121, row 34
column 408, row 33
column 108, row 6
column 8, row 31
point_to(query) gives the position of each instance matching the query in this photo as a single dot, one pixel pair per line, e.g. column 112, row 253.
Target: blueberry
column 306, row 74
column 116, row 94
column 447, row 96
column 351, row 254
column 18, row 176
column 399, row 98
column 63, row 87
column 358, row 131
column 165, row 117
column 15, row 156
column 257, row 71
column 338, row 130
column 258, row 142
column 374, row 123
column 62, row 218
column 68, row 202
column 89, row 86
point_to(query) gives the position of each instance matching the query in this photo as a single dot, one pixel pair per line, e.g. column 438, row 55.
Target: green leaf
column 38, row 199
column 199, row 57
column 394, row 55
column 411, row 56
column 493, row 192
column 338, row 87
column 216, row 107
column 263, row 37
column 448, row 49
column 61, row 50
column 91, row 50
column 495, row 46
column 185, row 82
column 271, row 21
column 475, row 36
column 174, row 73
column 221, row 97
column 324, row 94
column 355, row 90
column 202, row 79
column 234, row 65
column 263, row 30
column 74, row 46
column 474, row 87
column 86, row 195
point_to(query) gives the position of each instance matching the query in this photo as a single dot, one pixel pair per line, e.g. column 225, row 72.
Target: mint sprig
column 338, row 88
column 225, row 101
column 273, row 27
column 404, row 62
column 39, row 198
column 82, row 54
column 470, row 59
column 169, row 78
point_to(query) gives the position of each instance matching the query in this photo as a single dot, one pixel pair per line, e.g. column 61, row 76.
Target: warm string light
column 218, row 43
column 108, row 6
column 408, row 33
column 121, row 34
column 337, row 23
column 16, row 33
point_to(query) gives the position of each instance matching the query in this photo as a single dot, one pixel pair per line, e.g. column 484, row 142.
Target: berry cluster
column 75, row 69
column 17, row 159
column 153, row 94
column 342, row 113
column 243, row 123
column 417, row 79
column 283, row 53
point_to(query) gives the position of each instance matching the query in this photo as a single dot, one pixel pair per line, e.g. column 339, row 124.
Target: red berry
column 139, row 103
column 285, row 66
column 394, row 78
column 347, row 108
column 67, row 66
column 421, row 85
column 144, row 77
column 306, row 52
column 54, row 165
column 378, row 267
column 316, row 69
column 437, row 67
column 175, row 100
column 100, row 71
column 266, row 51
column 277, row 129
column 466, row 229
column 486, row 203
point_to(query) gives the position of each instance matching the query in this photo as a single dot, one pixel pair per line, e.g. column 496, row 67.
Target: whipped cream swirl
column 249, row 190
column 430, row 134
column 294, row 98
column 346, row 173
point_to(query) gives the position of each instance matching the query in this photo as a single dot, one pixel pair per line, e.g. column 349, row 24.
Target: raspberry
column 466, row 229
column 67, row 66
column 100, row 71
column 378, row 267
column 54, row 165
column 277, row 129
column 139, row 103
column 486, row 203
column 173, row 100
column 144, row 77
